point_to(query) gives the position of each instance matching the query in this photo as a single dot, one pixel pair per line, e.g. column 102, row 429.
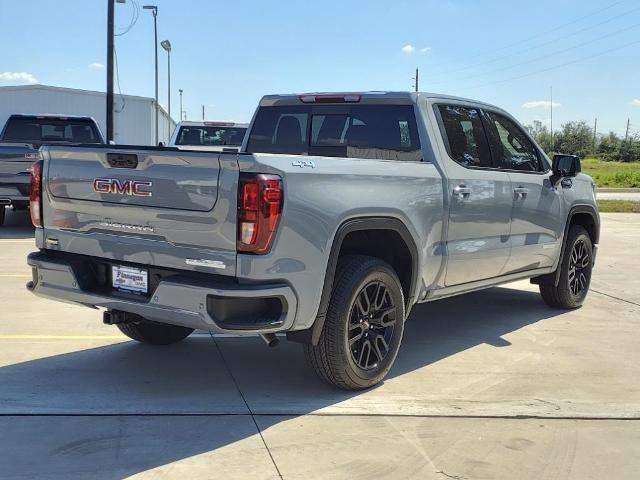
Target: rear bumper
column 216, row 305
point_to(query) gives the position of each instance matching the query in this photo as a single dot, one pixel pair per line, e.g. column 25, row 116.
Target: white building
column 134, row 120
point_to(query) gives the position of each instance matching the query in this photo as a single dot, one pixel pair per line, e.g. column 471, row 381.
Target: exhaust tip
column 270, row 339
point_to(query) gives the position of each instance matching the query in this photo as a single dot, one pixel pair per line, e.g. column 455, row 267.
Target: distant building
column 134, row 118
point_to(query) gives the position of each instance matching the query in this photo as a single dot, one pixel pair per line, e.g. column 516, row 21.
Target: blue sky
column 227, row 54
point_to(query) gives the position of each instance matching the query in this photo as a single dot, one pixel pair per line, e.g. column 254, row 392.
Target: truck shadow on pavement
column 111, row 411
column 17, row 225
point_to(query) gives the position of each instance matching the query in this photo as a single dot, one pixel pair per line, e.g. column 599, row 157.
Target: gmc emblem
column 122, row 187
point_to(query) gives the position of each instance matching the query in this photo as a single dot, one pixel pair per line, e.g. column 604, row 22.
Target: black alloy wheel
column 579, row 268
column 371, row 325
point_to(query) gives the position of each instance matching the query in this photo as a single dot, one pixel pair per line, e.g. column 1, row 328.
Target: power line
column 581, row 59
column 124, row 101
column 533, row 47
column 541, row 34
column 557, row 52
column 135, row 13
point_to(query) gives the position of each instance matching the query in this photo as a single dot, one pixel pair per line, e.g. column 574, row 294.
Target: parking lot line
column 17, row 240
column 15, row 275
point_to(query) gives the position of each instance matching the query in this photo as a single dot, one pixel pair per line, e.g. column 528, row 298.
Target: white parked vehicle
column 212, row 136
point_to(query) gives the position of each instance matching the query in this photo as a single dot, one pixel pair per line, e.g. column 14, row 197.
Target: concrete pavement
column 632, row 194
column 489, row 385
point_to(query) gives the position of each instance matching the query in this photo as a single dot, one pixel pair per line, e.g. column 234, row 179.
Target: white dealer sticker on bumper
column 130, row 279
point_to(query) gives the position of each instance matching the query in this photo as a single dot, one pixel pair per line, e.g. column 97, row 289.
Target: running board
column 482, row 284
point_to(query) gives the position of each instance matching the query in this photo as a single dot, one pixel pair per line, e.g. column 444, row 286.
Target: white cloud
column 96, row 66
column 408, row 48
column 541, row 104
column 635, row 102
column 19, row 78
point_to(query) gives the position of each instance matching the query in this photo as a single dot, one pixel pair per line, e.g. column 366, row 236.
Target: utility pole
column 154, row 11
column 203, row 113
column 595, row 129
column 416, row 78
column 109, row 106
column 551, row 105
column 181, row 111
column 626, row 133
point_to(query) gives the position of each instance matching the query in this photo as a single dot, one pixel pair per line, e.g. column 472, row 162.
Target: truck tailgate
column 15, row 165
column 157, row 207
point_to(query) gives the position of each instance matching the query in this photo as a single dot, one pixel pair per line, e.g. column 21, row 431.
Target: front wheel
column 575, row 272
column 154, row 333
column 363, row 327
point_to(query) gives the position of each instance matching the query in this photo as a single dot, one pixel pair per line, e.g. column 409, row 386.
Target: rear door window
column 464, row 136
column 383, row 132
column 511, row 146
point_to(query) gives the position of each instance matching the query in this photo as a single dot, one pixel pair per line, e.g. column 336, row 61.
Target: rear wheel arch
column 361, row 236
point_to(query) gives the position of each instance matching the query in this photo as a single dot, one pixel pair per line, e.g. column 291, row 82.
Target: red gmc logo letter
column 122, row 187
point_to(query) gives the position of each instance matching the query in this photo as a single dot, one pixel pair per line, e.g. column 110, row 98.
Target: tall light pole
column 154, row 11
column 166, row 44
column 180, row 92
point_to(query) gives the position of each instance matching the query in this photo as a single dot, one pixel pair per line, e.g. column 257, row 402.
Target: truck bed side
column 319, row 200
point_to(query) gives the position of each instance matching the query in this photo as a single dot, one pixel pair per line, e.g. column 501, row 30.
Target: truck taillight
column 35, row 199
column 259, row 206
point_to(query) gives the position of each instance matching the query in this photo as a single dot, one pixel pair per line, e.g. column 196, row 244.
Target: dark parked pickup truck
column 20, row 140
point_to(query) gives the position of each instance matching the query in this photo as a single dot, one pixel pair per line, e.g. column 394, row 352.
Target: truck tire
column 2, row 214
column 363, row 326
column 154, row 333
column 575, row 272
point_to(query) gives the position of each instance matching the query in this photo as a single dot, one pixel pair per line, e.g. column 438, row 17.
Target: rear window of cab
column 382, row 132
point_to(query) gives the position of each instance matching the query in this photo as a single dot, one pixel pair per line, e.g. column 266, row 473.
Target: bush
column 576, row 138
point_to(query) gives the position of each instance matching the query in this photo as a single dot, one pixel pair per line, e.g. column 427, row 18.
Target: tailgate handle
column 122, row 160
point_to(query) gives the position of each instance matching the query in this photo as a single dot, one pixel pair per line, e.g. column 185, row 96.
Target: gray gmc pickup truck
column 339, row 213
column 20, row 140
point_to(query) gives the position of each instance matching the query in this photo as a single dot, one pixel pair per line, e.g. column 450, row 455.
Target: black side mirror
column 565, row 166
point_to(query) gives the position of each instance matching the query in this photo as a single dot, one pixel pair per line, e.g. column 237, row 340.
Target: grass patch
column 618, row 206
column 612, row 174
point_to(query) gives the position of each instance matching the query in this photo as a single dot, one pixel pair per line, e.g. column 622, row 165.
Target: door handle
column 461, row 191
column 520, row 192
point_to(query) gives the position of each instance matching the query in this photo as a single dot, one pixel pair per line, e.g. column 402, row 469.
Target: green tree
column 574, row 138
column 541, row 135
column 629, row 150
column 609, row 146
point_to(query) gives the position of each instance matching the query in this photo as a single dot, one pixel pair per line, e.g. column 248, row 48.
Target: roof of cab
column 51, row 116
column 211, row 123
column 374, row 97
